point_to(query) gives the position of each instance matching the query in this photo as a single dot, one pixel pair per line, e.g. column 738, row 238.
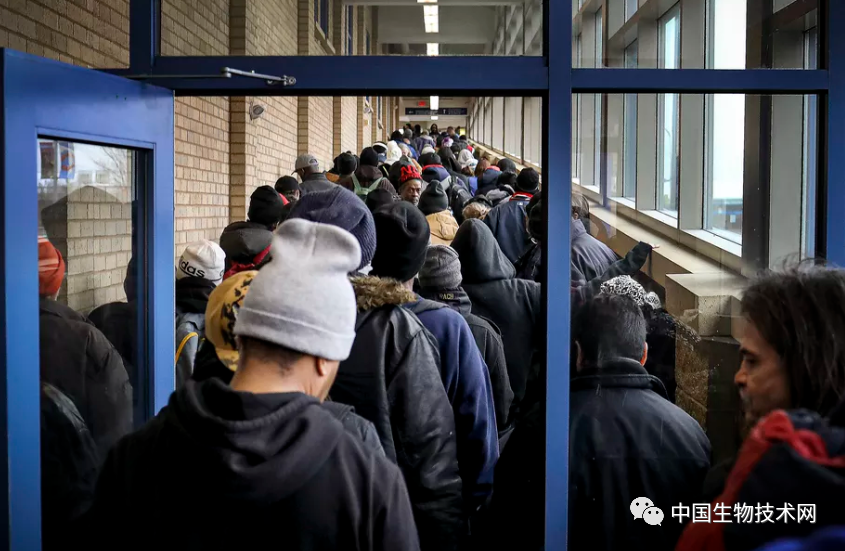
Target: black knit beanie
column 346, row 163
column 369, row 157
column 528, row 181
column 402, row 237
column 433, row 199
column 265, row 207
column 506, row 165
column 379, row 198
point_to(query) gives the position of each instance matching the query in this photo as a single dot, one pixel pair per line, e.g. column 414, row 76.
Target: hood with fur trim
column 374, row 292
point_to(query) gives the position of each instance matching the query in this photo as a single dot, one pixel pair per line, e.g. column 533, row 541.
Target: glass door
column 87, row 253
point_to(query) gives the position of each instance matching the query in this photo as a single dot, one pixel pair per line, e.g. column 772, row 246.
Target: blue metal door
column 100, row 148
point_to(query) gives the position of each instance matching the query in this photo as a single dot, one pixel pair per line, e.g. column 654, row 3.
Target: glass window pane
column 319, row 28
column 90, row 326
column 718, row 34
column 694, row 169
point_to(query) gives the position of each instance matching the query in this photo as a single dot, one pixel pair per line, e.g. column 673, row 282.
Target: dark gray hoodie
column 234, row 470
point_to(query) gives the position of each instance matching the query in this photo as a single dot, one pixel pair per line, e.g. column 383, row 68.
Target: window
column 668, row 115
column 349, row 26
column 725, row 138
column 629, row 135
column 576, row 151
column 367, row 43
column 630, row 8
column 808, row 169
column 597, row 111
column 321, row 15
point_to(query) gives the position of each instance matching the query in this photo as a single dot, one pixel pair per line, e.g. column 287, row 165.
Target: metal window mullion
column 834, row 191
column 557, row 124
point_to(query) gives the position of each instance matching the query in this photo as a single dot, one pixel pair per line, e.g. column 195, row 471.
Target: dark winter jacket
column 366, row 175
column 78, row 359
column 530, row 264
column 69, row 467
column 209, row 366
column 628, row 441
column 507, row 221
column 590, row 257
column 243, row 242
column 512, row 304
column 117, row 321
column 488, row 338
column 220, row 469
column 392, row 378
column 315, row 182
column 191, row 301
column 468, row 387
column 489, row 181
column 794, row 463
column 431, row 173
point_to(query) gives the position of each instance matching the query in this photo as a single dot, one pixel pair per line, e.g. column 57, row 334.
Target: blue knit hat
column 342, row 208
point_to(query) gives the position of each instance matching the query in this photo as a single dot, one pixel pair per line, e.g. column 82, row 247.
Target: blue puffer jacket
column 467, row 382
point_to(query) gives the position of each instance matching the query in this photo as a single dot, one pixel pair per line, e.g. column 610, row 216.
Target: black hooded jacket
column 392, row 378
column 316, row 182
column 220, row 469
column 590, row 257
column 243, row 241
column 626, row 441
column 488, row 338
column 507, row 221
column 512, row 304
column 78, row 360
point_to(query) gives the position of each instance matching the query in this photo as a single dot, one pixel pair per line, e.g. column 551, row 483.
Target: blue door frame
column 551, row 77
column 44, row 97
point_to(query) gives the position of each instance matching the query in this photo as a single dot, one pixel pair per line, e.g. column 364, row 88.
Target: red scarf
column 237, row 267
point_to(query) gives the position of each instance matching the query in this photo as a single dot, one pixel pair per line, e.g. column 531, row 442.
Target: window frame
column 350, row 26
column 629, row 134
column 673, row 13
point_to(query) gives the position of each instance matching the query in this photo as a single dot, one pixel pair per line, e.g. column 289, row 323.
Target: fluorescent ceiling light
column 434, row 117
column 433, row 48
column 431, row 15
column 434, row 103
column 426, row 1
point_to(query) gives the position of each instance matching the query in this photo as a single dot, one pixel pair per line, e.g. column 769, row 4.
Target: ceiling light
column 433, row 48
column 431, row 15
column 434, row 103
column 426, row 1
column 434, row 117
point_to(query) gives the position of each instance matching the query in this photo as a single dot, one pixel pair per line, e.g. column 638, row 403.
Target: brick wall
column 220, row 154
column 91, row 33
column 199, row 27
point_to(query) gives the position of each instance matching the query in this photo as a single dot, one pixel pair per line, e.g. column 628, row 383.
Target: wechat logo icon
column 643, row 508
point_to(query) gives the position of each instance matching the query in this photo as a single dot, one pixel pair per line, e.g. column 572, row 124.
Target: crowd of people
column 361, row 365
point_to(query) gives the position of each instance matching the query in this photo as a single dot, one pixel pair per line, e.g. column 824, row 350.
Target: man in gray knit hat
column 264, row 453
column 440, row 281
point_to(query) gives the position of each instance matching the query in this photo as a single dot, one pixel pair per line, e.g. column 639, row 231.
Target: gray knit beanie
column 303, row 300
column 442, row 268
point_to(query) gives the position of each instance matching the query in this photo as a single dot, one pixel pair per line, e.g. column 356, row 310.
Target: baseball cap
column 203, row 259
column 307, row 160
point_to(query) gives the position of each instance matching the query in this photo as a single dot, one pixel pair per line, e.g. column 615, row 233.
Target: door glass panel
column 89, row 322
column 714, row 34
column 360, row 27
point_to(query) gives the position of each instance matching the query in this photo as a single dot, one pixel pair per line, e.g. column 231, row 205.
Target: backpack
column 190, row 332
column 362, row 191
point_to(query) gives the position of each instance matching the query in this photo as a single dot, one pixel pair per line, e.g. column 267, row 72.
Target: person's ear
column 645, row 354
column 322, row 367
column 579, row 356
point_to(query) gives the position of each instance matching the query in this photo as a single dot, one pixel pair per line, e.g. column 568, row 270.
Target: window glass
column 350, row 21
column 742, row 170
column 668, row 117
column 811, row 40
column 729, row 29
column 630, row 132
column 90, row 323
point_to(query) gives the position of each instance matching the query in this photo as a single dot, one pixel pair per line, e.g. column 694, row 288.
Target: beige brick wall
column 91, row 33
column 220, row 155
column 199, row 27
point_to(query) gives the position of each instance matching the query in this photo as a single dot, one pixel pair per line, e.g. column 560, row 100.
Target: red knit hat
column 51, row 268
